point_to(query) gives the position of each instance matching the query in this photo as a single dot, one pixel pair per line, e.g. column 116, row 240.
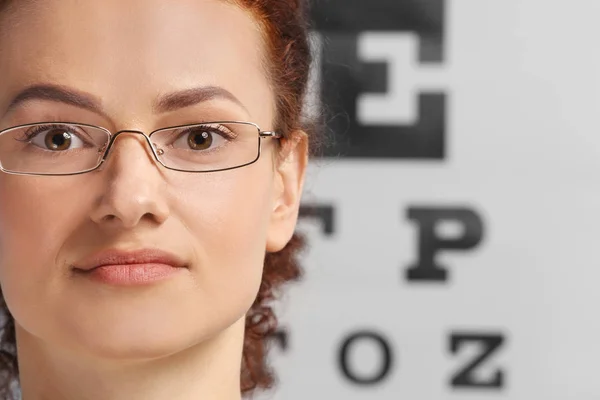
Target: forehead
column 129, row 52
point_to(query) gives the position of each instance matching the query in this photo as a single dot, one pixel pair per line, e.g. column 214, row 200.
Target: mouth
column 130, row 268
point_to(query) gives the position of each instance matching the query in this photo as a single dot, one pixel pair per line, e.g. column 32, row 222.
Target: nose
column 134, row 189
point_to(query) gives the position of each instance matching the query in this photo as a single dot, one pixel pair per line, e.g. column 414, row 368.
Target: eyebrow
column 57, row 93
column 166, row 103
column 190, row 97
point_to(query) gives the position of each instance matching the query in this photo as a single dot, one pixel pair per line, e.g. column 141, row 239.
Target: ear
column 290, row 171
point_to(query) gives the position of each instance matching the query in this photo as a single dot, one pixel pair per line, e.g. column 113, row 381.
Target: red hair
column 284, row 26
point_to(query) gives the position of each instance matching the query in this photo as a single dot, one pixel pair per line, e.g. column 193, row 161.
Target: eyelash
column 28, row 135
column 219, row 129
column 227, row 134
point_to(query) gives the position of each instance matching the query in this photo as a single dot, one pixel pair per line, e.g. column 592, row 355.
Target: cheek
column 36, row 219
column 30, row 219
column 227, row 219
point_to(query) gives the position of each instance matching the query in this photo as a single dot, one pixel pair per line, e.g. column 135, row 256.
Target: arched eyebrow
column 57, row 93
column 165, row 103
column 189, row 97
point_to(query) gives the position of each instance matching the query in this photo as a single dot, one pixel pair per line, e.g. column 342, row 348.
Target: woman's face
column 124, row 57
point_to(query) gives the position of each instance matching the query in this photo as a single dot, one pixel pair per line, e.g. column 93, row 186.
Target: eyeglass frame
column 113, row 136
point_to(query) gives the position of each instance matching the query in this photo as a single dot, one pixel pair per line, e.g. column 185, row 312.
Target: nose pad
column 159, row 151
column 154, row 151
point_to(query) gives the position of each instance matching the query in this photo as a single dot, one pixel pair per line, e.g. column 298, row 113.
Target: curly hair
column 285, row 28
column 284, row 25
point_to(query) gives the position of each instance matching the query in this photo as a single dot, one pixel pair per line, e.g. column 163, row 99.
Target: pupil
column 200, row 140
column 58, row 140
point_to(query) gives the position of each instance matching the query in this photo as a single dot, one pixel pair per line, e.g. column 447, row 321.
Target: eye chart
column 453, row 222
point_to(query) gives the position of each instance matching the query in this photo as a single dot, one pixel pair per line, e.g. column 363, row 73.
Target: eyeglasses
column 64, row 148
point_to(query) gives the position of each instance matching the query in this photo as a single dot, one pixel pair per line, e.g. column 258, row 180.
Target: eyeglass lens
column 60, row 148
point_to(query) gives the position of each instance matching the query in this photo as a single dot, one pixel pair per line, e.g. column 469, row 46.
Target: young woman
column 153, row 158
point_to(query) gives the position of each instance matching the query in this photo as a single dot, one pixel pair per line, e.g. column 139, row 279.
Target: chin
column 150, row 345
column 151, row 338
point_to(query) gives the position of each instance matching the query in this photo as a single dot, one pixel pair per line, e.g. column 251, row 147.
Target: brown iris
column 200, row 140
column 57, row 140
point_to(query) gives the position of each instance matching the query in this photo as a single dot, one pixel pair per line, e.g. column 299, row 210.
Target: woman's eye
column 199, row 139
column 57, row 139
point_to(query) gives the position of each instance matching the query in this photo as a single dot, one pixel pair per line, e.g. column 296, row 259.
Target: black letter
column 466, row 376
column 429, row 243
column 322, row 213
column 345, row 77
column 386, row 353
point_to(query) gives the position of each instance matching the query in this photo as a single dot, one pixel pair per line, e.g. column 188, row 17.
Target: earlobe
column 290, row 174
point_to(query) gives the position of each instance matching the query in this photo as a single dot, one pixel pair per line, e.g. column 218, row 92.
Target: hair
column 284, row 25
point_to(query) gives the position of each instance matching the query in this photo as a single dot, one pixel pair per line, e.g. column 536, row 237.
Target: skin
column 181, row 338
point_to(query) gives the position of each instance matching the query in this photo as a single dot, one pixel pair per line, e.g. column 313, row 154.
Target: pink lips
column 130, row 268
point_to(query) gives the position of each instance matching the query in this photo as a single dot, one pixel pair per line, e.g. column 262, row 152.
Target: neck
column 208, row 370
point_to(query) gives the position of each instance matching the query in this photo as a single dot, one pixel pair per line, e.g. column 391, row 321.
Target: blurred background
column 454, row 219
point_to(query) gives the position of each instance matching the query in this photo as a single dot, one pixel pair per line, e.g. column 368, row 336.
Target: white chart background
column 522, row 79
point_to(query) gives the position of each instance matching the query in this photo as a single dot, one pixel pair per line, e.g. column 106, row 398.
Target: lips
column 115, row 257
column 130, row 268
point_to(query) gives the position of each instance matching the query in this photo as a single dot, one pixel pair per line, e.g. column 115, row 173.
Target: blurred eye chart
column 454, row 219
